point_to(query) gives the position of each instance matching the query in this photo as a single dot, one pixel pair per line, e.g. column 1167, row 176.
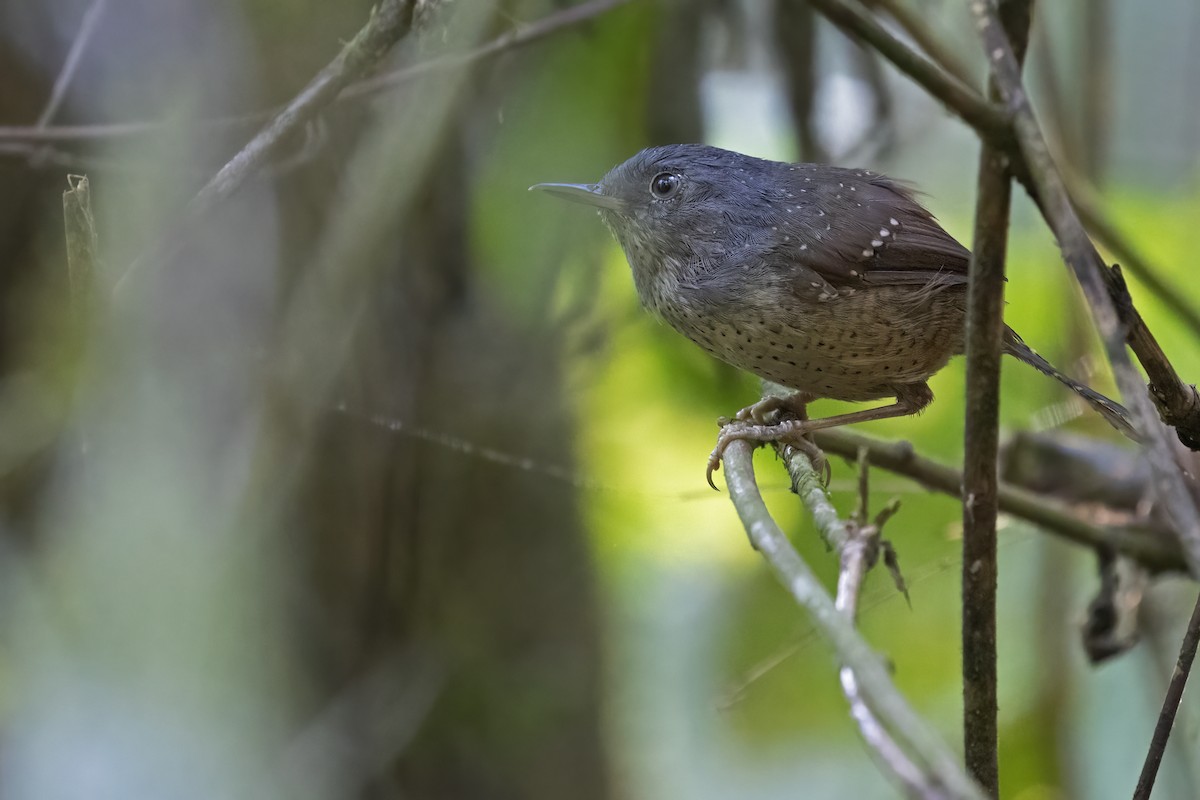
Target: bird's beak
column 586, row 193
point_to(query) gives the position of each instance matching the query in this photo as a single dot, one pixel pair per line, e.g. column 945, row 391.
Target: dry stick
column 1152, row 549
column 938, row 765
column 980, row 501
column 1166, row 717
column 512, row 40
column 389, row 22
column 1100, row 285
column 1179, row 403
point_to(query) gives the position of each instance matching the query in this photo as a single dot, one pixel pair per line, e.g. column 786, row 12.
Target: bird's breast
column 856, row 347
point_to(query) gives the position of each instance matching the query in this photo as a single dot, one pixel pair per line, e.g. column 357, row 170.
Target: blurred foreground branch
column 390, row 21
column 520, row 36
column 923, row 763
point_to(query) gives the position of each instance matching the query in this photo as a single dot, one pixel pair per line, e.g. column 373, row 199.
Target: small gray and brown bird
column 833, row 282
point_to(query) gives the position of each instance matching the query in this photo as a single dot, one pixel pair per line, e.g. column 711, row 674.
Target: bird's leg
column 910, row 399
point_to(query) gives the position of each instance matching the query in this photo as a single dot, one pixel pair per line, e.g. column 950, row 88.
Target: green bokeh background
column 145, row 600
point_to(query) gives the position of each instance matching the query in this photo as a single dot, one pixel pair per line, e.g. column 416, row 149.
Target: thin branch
column 87, row 26
column 1100, row 286
column 980, row 501
column 1150, row 547
column 44, row 156
column 878, row 691
column 512, row 40
column 1166, row 718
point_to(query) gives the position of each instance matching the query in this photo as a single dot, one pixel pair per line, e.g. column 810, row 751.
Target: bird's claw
column 730, row 431
column 714, row 464
column 791, row 432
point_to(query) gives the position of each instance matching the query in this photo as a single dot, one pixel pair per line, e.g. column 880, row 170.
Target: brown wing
column 852, row 228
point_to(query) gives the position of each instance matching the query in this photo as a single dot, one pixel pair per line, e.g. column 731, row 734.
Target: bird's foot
column 792, row 432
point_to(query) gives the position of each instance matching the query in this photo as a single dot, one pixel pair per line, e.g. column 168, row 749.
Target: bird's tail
column 1115, row 413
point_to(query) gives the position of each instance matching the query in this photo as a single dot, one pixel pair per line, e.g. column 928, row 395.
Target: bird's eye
column 664, row 185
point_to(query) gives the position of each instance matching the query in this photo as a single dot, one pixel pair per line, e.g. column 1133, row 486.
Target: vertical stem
column 985, row 335
column 985, row 327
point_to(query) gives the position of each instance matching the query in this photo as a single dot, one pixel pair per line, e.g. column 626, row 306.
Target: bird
column 832, row 282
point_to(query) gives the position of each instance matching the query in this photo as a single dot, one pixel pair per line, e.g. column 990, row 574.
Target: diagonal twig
column 87, row 27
